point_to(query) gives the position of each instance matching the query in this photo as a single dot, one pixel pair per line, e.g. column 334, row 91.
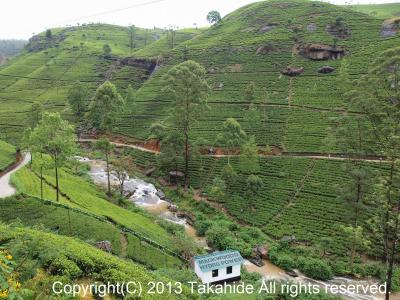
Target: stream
column 145, row 195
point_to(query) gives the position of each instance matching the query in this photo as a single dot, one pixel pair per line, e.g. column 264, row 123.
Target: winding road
column 6, row 189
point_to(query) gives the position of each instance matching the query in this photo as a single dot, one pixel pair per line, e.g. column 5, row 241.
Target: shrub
column 396, row 280
column 316, row 268
column 63, row 266
column 170, row 227
column 202, row 226
column 280, row 259
column 220, row 238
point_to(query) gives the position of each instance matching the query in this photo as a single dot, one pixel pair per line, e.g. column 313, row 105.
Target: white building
column 218, row 267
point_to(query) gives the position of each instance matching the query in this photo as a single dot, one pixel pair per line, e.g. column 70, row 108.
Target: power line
column 115, row 10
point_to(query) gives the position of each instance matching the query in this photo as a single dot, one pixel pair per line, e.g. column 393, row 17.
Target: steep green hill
column 255, row 43
column 79, row 193
column 69, row 260
column 383, row 11
column 262, row 43
column 63, row 220
column 48, row 67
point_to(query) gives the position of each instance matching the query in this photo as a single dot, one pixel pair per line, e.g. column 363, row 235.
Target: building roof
column 218, row 260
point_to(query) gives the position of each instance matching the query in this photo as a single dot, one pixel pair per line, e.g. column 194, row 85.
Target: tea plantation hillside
column 297, row 53
column 256, row 44
column 56, row 258
column 50, row 64
column 65, row 220
column 79, row 193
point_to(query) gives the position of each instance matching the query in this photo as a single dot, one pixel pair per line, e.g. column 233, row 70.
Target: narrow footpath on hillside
column 6, row 189
column 311, row 155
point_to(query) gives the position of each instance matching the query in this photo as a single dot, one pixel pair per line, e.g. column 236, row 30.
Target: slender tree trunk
column 187, row 146
column 41, row 178
column 186, row 160
column 108, row 176
column 387, row 216
column 57, row 186
column 353, row 246
column 121, row 187
column 392, row 254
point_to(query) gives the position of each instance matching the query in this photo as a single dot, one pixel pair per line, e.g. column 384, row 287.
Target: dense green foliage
column 78, row 192
column 45, row 215
column 68, row 259
column 244, row 55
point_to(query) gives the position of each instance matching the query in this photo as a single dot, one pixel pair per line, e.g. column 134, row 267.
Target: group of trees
column 120, row 165
column 100, row 110
column 186, row 85
column 52, row 137
column 233, row 138
column 54, row 140
column 376, row 129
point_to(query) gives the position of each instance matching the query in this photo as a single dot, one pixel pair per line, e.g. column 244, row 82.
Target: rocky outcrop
column 390, row 27
column 291, row 71
column 160, row 195
column 339, row 31
column 172, row 208
column 262, row 251
column 311, row 27
column 326, row 69
column 268, row 27
column 142, row 63
column 41, row 42
column 104, row 245
column 321, row 52
column 266, row 49
column 190, row 218
column 257, row 261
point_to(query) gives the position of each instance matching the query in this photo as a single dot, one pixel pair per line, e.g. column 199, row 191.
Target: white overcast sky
column 21, row 18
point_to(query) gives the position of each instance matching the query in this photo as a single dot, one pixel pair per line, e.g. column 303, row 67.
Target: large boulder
column 266, row 49
column 160, row 195
column 190, row 218
column 268, row 27
column 326, row 69
column 340, row 30
column 262, row 251
column 321, row 52
column 104, row 245
column 311, row 27
column 257, row 261
column 142, row 63
column 292, row 71
column 390, row 27
column 172, row 208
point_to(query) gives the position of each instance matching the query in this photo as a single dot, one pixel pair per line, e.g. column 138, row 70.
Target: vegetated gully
column 145, row 195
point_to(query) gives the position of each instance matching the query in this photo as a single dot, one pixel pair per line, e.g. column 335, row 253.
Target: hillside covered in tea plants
column 281, row 70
